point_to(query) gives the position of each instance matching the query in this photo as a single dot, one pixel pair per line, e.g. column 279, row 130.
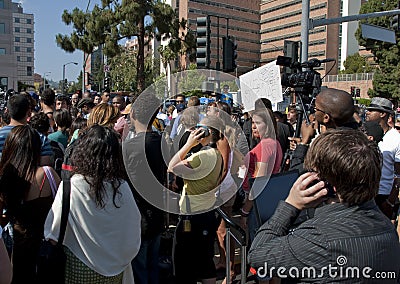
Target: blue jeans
column 145, row 264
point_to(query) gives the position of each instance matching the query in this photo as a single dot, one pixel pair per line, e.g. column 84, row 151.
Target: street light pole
column 63, row 75
column 44, row 79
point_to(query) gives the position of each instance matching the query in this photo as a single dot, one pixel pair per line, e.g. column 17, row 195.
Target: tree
column 356, row 64
column 387, row 77
column 113, row 21
column 123, row 70
column 190, row 81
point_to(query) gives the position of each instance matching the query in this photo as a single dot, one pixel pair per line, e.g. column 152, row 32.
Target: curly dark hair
column 40, row 122
column 98, row 157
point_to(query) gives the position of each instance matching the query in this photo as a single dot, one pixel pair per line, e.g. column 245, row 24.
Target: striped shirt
column 338, row 236
column 45, row 150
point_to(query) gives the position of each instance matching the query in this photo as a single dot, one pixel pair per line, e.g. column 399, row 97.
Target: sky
column 48, row 56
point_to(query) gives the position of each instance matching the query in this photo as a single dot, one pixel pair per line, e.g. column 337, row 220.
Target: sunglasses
column 314, row 109
column 397, row 127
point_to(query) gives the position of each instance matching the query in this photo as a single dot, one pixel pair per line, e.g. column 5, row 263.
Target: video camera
column 306, row 84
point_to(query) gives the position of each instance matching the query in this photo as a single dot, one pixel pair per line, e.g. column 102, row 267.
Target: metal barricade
column 242, row 241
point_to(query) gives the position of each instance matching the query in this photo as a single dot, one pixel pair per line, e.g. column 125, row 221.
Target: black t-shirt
column 147, row 170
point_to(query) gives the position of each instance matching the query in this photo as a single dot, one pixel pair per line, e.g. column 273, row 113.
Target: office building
column 281, row 20
column 16, row 46
column 234, row 18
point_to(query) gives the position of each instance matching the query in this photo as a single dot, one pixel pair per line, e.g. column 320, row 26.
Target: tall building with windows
column 281, row 20
column 16, row 46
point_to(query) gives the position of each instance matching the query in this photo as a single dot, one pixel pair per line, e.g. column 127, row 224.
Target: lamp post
column 44, row 79
column 63, row 77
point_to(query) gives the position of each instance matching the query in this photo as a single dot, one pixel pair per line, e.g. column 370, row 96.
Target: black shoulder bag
column 51, row 262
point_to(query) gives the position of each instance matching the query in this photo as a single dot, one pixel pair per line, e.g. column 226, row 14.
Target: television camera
column 305, row 81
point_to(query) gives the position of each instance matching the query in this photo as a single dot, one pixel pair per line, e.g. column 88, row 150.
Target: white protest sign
column 263, row 82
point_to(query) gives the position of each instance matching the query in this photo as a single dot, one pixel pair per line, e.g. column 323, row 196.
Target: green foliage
column 72, row 88
column 386, row 80
column 363, row 101
column 197, row 93
column 356, row 64
column 123, row 71
column 232, row 85
column 114, row 20
column 24, row 87
column 191, row 80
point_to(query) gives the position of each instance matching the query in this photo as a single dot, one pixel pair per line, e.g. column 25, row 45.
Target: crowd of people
column 121, row 156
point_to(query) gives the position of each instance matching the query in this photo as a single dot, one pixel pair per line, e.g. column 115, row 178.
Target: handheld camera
column 205, row 129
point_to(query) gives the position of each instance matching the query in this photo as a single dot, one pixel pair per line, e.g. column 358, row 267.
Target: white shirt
column 105, row 239
column 390, row 148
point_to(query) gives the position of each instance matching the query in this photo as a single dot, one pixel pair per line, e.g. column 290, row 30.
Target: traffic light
column 229, row 54
column 353, row 91
column 203, row 41
column 358, row 93
column 90, row 79
column 291, row 49
column 107, row 82
column 395, row 23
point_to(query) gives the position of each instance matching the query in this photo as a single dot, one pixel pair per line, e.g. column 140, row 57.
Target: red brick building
column 237, row 18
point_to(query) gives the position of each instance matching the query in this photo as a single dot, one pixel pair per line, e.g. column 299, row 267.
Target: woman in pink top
column 264, row 159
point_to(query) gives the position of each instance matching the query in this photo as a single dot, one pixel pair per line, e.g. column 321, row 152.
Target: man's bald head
column 338, row 104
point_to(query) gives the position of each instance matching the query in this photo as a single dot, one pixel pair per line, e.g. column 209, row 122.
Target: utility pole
column 305, row 20
column 309, row 24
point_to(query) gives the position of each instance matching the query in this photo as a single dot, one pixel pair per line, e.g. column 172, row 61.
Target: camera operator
column 348, row 226
column 333, row 109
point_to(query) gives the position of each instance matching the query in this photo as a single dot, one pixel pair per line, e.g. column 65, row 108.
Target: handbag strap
column 52, row 181
column 65, row 209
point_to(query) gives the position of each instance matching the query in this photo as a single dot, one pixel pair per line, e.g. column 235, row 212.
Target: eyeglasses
column 314, row 109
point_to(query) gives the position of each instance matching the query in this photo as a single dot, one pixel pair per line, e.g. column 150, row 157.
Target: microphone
column 327, row 60
column 314, row 62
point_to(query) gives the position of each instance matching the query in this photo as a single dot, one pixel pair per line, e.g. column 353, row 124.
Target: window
column 2, row 51
column 28, row 40
column 17, row 30
column 29, row 59
column 16, row 20
column 17, row 49
column 29, row 49
column 2, row 28
column 1, row 4
column 18, row 58
column 28, row 31
column 29, row 21
column 28, row 70
column 17, row 39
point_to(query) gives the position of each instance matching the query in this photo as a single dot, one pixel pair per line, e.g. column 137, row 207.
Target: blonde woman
column 104, row 115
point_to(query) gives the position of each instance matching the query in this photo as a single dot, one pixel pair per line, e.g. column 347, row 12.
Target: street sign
column 378, row 33
column 106, row 68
